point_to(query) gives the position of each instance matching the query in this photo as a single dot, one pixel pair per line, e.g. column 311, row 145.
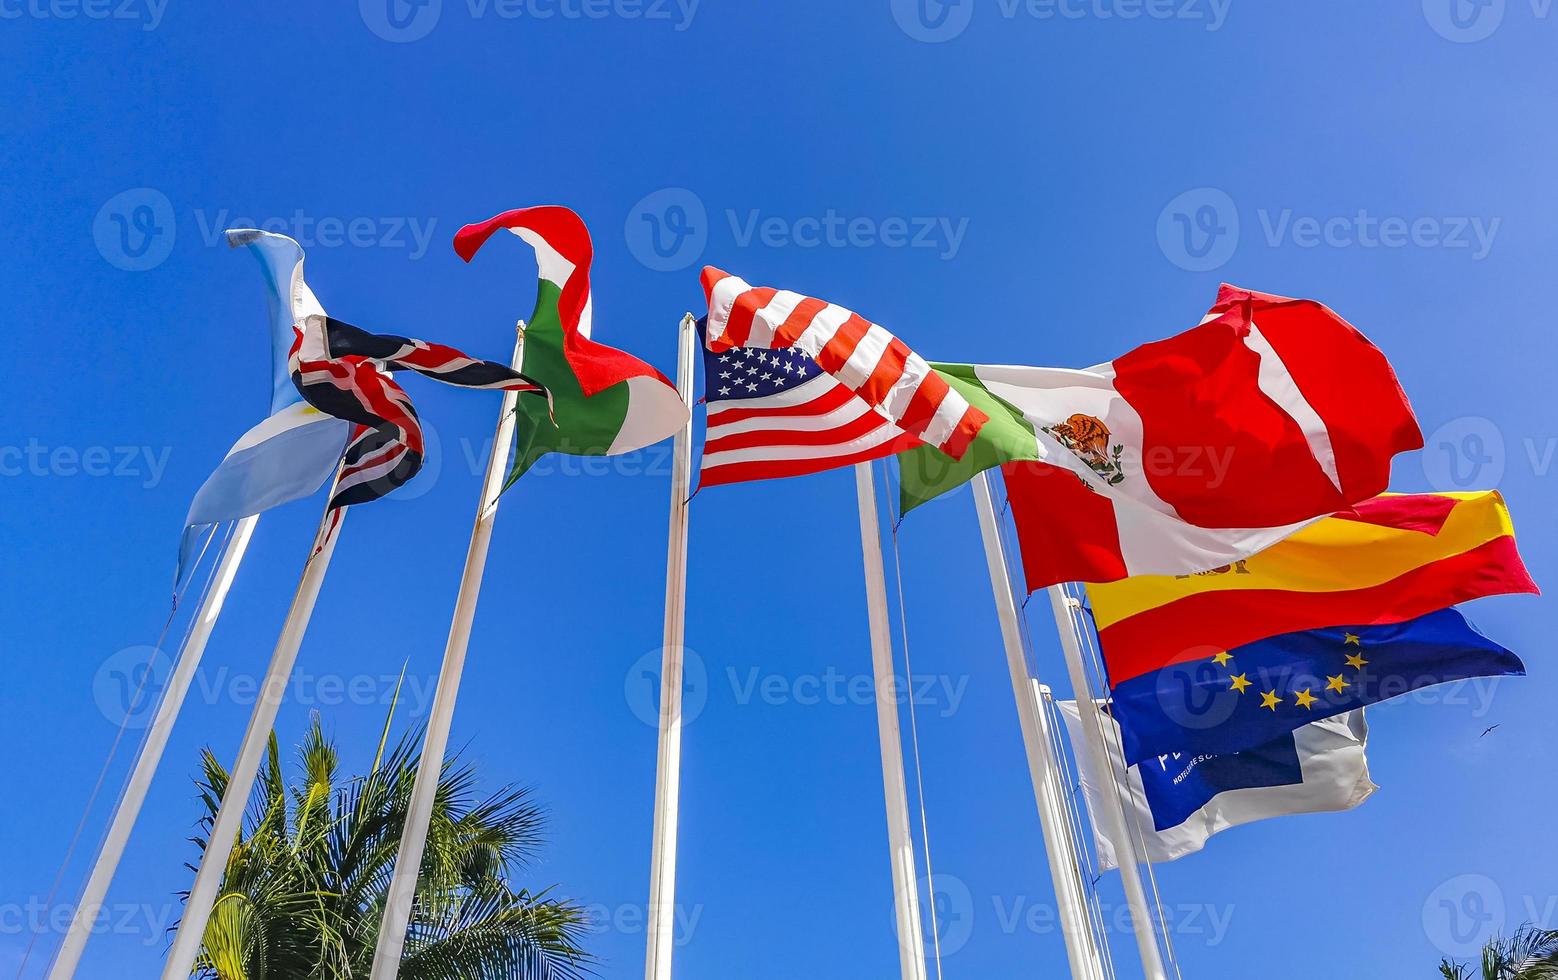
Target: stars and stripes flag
column 796, row 385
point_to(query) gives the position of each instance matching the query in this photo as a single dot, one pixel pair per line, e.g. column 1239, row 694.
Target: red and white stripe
column 818, row 425
column 876, row 367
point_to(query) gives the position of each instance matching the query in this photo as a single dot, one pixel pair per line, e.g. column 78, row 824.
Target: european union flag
column 1254, row 694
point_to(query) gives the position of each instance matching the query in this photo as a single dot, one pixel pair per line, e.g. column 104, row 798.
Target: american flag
column 775, row 413
column 795, row 385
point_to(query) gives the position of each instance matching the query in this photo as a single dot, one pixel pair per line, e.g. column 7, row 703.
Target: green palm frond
column 304, row 889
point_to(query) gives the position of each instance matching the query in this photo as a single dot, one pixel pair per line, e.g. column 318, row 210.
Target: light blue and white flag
column 1181, row 800
column 295, row 450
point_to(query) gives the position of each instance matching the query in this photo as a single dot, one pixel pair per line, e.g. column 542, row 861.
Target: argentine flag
column 1179, row 801
column 295, row 450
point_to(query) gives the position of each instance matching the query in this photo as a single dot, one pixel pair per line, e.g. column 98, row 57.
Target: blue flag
column 294, row 451
column 1254, row 694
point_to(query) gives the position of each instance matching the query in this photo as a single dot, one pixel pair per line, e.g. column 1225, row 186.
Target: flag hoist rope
column 1043, row 770
column 229, row 816
column 413, row 839
column 914, row 731
column 152, row 747
column 1114, row 742
column 906, row 896
column 1142, row 922
column 660, row 932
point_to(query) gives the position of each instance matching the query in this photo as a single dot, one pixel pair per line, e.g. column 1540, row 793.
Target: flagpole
column 240, row 782
column 1064, row 608
column 668, row 777
column 1043, row 771
column 413, row 839
column 906, row 894
column 129, row 808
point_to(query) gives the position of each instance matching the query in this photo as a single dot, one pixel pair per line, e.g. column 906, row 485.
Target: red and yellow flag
column 1396, row 557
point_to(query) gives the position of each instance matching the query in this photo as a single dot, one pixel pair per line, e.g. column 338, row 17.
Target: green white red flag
column 606, row 401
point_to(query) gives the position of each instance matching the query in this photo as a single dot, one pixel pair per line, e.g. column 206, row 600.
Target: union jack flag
column 343, row 371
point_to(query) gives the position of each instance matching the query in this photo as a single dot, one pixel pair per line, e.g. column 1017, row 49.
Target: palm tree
column 1530, row 954
column 305, row 886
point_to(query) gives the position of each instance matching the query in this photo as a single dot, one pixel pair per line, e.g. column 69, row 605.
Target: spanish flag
column 1392, row 559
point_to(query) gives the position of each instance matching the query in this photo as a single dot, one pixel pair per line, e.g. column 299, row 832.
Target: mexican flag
column 605, row 402
column 1185, row 454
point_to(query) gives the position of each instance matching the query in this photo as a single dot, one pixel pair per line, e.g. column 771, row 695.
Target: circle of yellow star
column 1269, row 699
column 1305, row 699
column 1336, row 683
column 1239, row 682
column 1356, row 660
column 1222, row 658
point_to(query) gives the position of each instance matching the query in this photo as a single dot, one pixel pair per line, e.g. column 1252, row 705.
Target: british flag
column 343, row 371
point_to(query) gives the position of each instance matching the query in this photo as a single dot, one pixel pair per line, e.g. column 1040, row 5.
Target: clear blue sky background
column 1055, row 147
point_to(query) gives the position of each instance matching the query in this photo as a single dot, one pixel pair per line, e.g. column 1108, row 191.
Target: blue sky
column 1049, row 182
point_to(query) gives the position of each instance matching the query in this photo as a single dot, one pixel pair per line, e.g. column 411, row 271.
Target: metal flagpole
column 229, row 816
column 413, row 839
column 129, row 808
column 1042, row 769
column 668, row 775
column 906, row 894
column 1065, row 609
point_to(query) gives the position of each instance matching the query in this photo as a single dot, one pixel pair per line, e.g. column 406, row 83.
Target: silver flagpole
column 668, row 776
column 413, row 839
column 229, row 816
column 906, row 894
column 69, row 955
column 1042, row 768
column 1065, row 609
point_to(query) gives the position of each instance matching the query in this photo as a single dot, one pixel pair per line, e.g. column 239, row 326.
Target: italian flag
column 1185, row 454
column 606, row 402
